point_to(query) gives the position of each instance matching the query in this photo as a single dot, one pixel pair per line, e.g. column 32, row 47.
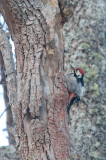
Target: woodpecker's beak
column 72, row 67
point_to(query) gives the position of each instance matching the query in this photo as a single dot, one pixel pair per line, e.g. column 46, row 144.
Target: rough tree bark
column 39, row 107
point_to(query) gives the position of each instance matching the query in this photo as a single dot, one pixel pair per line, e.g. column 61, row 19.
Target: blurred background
column 3, row 114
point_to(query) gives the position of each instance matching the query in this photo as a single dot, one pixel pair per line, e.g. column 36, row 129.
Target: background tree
column 85, row 46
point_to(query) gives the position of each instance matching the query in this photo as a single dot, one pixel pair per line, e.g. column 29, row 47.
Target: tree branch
column 5, row 50
column 8, row 106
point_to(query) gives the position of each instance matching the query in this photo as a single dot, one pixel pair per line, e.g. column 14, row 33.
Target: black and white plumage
column 75, row 85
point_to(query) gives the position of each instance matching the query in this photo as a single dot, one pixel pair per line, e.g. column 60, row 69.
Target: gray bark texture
column 41, row 99
column 8, row 153
column 49, row 35
column 85, row 47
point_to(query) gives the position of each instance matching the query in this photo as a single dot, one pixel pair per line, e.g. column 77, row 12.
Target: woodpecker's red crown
column 80, row 70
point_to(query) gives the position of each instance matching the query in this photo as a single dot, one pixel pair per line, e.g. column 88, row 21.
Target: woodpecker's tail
column 75, row 98
column 70, row 104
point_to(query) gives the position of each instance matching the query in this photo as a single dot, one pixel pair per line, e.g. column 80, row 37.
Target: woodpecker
column 75, row 86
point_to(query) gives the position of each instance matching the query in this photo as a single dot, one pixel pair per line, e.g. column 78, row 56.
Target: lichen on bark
column 85, row 47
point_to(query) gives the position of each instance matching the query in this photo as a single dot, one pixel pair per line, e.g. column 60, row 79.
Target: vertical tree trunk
column 40, row 113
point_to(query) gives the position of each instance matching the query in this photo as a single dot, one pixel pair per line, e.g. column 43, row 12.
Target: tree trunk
column 40, row 110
